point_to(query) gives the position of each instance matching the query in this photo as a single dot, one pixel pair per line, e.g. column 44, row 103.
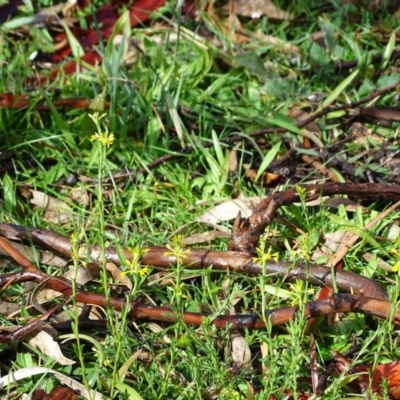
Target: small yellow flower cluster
column 180, row 290
column 102, row 135
column 77, row 251
column 177, row 250
column 301, row 253
column 263, row 257
column 134, row 266
column 298, row 289
column 396, row 266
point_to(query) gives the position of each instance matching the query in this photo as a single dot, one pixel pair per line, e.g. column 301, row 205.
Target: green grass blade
column 269, row 157
column 339, row 89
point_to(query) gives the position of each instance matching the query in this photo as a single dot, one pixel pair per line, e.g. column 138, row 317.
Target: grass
column 190, row 85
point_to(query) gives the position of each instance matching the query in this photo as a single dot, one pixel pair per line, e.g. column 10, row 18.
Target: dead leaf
column 56, row 211
column 389, row 371
column 7, row 308
column 57, row 393
column 381, row 263
column 28, row 372
column 264, row 354
column 81, row 275
column 266, row 178
column 43, row 257
column 257, row 8
column 204, row 237
column 49, row 347
column 240, row 352
column 300, row 116
column 229, row 210
column 118, row 276
column 79, row 195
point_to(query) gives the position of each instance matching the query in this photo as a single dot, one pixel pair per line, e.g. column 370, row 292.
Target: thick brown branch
column 198, row 259
column 250, row 229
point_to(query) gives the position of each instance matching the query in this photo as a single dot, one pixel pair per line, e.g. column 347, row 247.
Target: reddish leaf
column 58, row 393
column 107, row 16
column 389, row 371
column 10, row 100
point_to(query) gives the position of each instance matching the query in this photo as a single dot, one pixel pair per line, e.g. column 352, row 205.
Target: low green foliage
column 181, row 88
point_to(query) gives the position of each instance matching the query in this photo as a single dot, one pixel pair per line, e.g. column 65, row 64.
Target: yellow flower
column 133, row 265
column 264, row 257
column 144, row 271
column 102, row 135
column 105, row 138
column 180, row 290
column 177, row 250
column 396, row 266
column 298, row 289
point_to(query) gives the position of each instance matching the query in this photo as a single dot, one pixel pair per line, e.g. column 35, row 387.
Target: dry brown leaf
column 7, row 308
column 229, row 210
column 257, row 8
column 118, row 275
column 28, row 372
column 81, row 275
column 381, row 263
column 267, row 177
column 300, row 115
column 204, row 237
column 174, row 375
column 240, row 352
column 57, row 393
column 49, row 347
column 158, row 329
column 56, row 211
column 43, row 257
column 347, row 239
column 233, row 163
column 79, row 195
column 233, row 30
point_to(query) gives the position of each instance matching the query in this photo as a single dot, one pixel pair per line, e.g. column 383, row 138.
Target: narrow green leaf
column 339, row 90
column 218, row 149
column 76, row 47
column 68, row 137
column 269, row 157
column 9, row 195
column 124, row 388
column 16, row 23
column 389, row 50
column 283, row 124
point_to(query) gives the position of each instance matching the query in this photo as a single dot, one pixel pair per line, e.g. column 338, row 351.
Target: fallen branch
column 247, row 231
column 378, row 307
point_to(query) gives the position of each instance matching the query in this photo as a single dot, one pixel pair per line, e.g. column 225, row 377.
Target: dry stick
column 327, row 373
column 314, row 162
column 31, row 326
column 344, row 65
column 248, row 230
column 337, row 303
column 329, row 109
column 202, row 258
